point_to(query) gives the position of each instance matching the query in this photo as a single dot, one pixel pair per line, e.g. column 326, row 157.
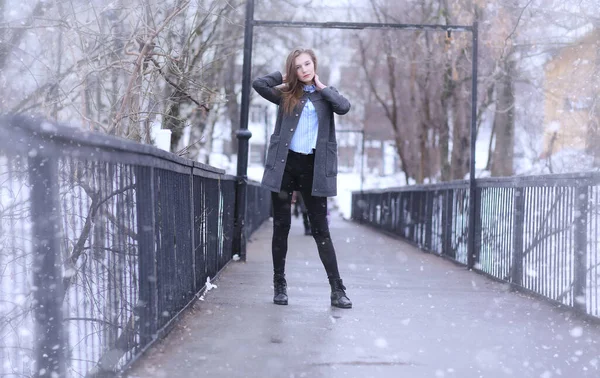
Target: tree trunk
column 594, row 140
column 134, row 122
column 445, row 148
column 504, row 123
column 117, row 26
column 197, row 134
column 400, row 151
column 445, row 129
column 7, row 44
column 448, row 90
column 173, row 121
column 459, row 165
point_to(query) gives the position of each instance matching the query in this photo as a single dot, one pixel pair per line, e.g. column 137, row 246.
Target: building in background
column 572, row 99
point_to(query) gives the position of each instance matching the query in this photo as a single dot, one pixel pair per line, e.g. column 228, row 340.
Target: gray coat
column 326, row 102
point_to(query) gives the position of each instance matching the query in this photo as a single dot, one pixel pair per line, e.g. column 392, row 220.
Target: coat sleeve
column 338, row 102
column 265, row 86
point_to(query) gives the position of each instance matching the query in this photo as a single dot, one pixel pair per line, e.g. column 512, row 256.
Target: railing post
column 388, row 211
column 50, row 347
column 580, row 258
column 251, row 211
column 478, row 234
column 363, row 207
column 472, row 247
column 147, row 274
column 412, row 224
column 447, row 224
column 429, row 201
column 394, row 214
column 401, row 219
column 516, row 270
column 192, row 230
column 356, row 215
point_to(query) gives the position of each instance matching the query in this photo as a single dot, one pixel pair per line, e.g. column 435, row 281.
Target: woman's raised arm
column 265, row 86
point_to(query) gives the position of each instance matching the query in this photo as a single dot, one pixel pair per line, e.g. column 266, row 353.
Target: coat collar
column 314, row 96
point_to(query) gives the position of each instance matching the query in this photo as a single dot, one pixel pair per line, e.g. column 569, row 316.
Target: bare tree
column 501, row 159
column 425, row 106
column 112, row 72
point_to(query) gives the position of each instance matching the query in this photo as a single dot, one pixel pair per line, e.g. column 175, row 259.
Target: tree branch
column 177, row 87
column 148, row 44
column 84, row 235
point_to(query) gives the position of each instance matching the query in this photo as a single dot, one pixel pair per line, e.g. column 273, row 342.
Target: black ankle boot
column 280, row 286
column 338, row 295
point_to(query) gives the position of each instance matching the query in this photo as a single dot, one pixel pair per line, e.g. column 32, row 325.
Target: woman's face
column 305, row 68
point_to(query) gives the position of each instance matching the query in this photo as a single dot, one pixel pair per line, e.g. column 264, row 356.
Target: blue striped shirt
column 305, row 136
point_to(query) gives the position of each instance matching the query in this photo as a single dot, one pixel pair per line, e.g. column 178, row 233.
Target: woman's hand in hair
column 318, row 83
column 284, row 78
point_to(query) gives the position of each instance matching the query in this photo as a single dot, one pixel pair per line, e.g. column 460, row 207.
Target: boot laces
column 279, row 283
column 339, row 286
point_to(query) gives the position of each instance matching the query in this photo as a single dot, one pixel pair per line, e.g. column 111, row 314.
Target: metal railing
column 102, row 243
column 258, row 203
column 539, row 233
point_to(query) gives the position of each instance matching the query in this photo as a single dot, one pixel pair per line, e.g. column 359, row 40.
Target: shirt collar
column 309, row 88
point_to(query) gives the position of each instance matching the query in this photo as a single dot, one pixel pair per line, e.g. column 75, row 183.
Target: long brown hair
column 293, row 91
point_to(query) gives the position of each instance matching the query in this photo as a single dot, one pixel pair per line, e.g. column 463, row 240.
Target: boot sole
column 283, row 303
column 341, row 306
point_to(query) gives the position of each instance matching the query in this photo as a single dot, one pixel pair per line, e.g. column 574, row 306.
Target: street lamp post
column 243, row 135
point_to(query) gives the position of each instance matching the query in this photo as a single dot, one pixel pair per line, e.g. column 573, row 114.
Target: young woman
column 302, row 156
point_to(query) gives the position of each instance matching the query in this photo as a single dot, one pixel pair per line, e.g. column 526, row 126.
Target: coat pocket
column 331, row 160
column 272, row 152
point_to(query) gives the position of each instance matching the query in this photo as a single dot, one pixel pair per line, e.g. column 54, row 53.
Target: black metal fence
column 259, row 208
column 102, row 243
column 539, row 233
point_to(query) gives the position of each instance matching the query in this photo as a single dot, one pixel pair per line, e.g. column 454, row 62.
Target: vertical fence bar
column 411, row 212
column 580, row 244
column 401, row 215
column 594, row 273
column 200, row 230
column 478, row 231
column 147, row 310
column 50, row 348
column 429, row 201
column 147, row 274
column 193, row 240
column 516, row 270
column 447, row 224
column 555, row 224
column 391, row 216
column 548, row 276
column 396, row 210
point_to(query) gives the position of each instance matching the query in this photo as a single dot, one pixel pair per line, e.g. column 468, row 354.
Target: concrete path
column 415, row 315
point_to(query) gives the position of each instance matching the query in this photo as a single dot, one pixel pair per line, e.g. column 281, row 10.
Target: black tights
column 298, row 175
